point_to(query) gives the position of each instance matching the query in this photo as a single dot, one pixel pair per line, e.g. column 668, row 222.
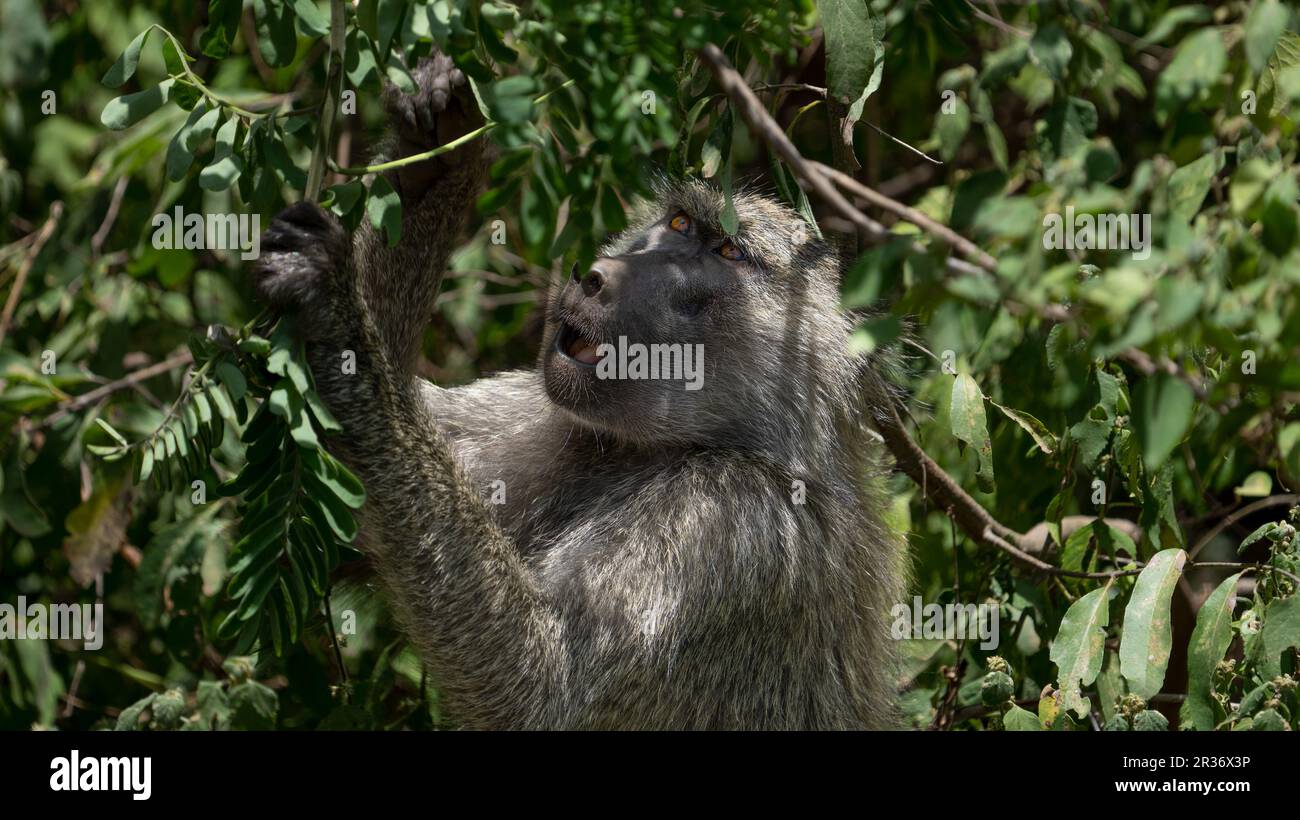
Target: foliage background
column 1066, row 367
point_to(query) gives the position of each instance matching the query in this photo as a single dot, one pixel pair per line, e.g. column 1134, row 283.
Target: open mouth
column 575, row 345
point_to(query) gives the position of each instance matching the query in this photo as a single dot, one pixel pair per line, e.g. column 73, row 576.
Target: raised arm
column 400, row 283
column 457, row 583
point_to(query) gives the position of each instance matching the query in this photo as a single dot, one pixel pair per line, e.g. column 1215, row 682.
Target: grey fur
column 649, row 568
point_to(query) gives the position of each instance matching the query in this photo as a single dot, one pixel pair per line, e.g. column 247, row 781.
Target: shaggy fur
column 649, row 566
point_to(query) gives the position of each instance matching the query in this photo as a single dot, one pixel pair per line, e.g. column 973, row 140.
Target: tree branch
column 131, row 379
column 939, row 487
column 818, row 177
column 11, row 304
column 959, row 243
column 1287, row 499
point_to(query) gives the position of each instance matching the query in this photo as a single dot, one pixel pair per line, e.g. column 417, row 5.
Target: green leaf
column 1209, row 642
column 331, row 517
column 129, row 718
column 179, row 156
column 146, row 464
column 1280, row 632
column 124, row 67
column 717, row 147
column 116, row 436
column 223, row 22
column 1080, row 646
column 1021, row 720
column 1147, row 638
column 997, row 144
column 212, row 706
column 253, row 706
column 1171, row 20
column 1256, row 485
column 302, row 432
column 221, row 174
column 399, row 76
column 1164, row 405
column 320, row 477
column 1198, row 64
column 1051, row 49
column 1035, row 428
column 1069, row 123
column 384, row 208
column 388, row 18
column 359, row 58
column 122, row 112
column 509, row 100
column 278, row 157
column 202, row 129
column 729, row 220
column 966, row 416
column 854, row 53
column 951, row 128
column 221, row 400
column 1262, row 531
column 342, row 198
column 1091, row 435
column 1106, row 539
column 314, row 22
column 501, row 16
column 276, row 37
column 233, row 379
column 324, row 418
column 1264, row 25
column 1189, row 185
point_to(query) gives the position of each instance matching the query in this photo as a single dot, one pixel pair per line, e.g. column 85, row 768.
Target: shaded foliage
column 1156, row 387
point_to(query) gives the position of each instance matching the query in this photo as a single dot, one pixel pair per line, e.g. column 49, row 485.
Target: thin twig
column 1245, row 568
column 132, row 379
column 908, row 146
column 1148, row 366
column 815, row 89
column 439, row 150
column 959, row 243
column 1289, row 499
column 338, row 652
column 329, row 107
column 761, row 123
column 114, row 204
column 997, row 23
column 56, row 211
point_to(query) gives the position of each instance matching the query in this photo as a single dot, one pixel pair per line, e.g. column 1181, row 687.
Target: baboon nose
column 594, row 280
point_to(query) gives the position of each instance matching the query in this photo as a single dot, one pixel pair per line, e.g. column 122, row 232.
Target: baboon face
column 720, row 322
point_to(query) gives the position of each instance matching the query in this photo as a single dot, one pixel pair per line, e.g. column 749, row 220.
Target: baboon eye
column 729, row 250
column 680, row 222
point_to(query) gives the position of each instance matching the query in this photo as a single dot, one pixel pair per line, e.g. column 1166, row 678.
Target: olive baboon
column 663, row 557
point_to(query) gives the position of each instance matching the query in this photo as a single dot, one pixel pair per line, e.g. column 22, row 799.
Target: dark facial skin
column 674, row 284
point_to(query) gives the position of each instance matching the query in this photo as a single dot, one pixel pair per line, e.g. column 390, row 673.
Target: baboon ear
column 304, row 254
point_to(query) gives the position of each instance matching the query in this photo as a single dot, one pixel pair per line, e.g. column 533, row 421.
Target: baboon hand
column 440, row 109
column 302, row 268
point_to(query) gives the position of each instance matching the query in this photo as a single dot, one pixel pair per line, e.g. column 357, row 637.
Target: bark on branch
column 939, row 487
